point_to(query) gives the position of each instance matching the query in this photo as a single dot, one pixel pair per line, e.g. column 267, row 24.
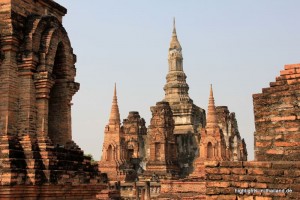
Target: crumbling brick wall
column 277, row 117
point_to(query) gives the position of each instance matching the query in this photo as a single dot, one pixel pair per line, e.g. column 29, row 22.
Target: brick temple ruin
column 186, row 154
column 183, row 154
column 38, row 158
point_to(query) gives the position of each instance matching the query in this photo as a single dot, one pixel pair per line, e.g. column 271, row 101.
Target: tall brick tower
column 37, row 83
column 112, row 152
column 37, row 70
column 188, row 117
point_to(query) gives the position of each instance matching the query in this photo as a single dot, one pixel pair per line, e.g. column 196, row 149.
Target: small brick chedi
column 123, row 147
column 38, row 158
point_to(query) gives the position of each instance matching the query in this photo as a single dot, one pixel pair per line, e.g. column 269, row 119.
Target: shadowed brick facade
column 134, row 133
column 37, row 75
column 235, row 146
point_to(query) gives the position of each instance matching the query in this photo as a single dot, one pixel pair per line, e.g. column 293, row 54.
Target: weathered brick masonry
column 277, row 117
column 237, row 180
column 38, row 157
column 162, row 159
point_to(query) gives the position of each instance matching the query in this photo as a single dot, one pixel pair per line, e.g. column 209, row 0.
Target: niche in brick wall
column 209, row 151
column 58, row 119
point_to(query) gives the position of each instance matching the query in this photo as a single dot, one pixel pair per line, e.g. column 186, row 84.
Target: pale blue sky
column 238, row 46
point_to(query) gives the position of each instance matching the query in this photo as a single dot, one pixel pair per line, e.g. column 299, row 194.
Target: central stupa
column 187, row 116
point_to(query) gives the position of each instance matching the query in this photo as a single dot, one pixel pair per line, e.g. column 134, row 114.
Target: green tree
column 91, row 156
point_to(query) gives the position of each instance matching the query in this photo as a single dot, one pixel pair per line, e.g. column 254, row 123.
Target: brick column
column 43, row 83
column 27, row 98
column 73, row 88
column 8, row 83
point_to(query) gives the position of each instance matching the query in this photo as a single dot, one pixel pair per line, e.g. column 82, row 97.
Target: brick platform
column 239, row 180
column 231, row 180
column 50, row 192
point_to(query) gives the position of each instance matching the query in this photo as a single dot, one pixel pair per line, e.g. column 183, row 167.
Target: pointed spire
column 211, row 121
column 174, row 44
column 174, row 27
column 114, row 117
column 176, row 88
column 115, row 90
